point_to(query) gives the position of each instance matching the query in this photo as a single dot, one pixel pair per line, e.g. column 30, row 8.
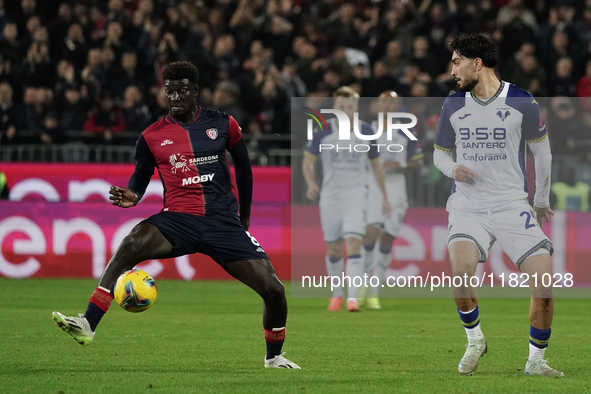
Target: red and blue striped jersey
column 191, row 161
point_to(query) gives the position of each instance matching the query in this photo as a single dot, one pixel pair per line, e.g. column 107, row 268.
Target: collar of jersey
column 171, row 119
column 485, row 103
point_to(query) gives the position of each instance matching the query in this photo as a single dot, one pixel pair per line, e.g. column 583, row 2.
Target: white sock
column 535, row 353
column 474, row 333
column 367, row 259
column 384, row 261
column 354, row 269
column 335, row 269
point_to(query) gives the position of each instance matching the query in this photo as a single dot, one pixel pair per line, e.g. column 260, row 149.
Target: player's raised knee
column 274, row 290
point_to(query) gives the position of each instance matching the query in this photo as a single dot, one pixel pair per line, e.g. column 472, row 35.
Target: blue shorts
column 220, row 236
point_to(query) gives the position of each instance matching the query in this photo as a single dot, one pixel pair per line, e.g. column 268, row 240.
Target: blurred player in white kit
column 343, row 194
column 402, row 154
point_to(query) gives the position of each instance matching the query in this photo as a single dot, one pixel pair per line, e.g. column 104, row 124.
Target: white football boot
column 77, row 327
column 474, row 351
column 540, row 367
column 280, row 362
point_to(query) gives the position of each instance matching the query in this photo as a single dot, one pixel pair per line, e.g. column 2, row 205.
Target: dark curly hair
column 181, row 70
column 471, row 46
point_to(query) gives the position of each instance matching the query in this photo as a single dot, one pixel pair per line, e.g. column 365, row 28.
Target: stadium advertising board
column 59, row 223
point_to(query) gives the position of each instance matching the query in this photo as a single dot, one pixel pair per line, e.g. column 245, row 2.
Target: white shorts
column 391, row 224
column 342, row 221
column 373, row 211
column 514, row 227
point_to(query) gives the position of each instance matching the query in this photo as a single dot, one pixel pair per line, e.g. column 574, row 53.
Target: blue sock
column 93, row 314
column 274, row 339
column 98, row 305
column 539, row 338
column 471, row 319
column 273, row 349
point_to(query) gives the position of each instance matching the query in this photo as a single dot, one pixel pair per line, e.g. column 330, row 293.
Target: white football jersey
column 490, row 138
column 344, row 173
column 401, row 149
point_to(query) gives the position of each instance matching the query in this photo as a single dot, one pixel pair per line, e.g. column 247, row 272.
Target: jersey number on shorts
column 528, row 218
column 253, row 239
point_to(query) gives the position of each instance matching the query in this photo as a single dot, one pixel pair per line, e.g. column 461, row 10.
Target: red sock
column 98, row 305
column 101, row 298
column 275, row 339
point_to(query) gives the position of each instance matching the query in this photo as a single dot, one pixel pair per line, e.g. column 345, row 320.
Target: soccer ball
column 135, row 291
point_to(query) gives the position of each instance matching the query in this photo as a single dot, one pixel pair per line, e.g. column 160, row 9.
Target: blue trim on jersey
column 521, row 159
column 532, row 126
column 446, row 135
column 492, row 99
column 516, row 92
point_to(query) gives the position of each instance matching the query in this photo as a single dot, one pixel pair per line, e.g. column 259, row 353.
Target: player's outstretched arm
column 543, row 169
column 122, row 197
column 378, row 172
column 308, row 171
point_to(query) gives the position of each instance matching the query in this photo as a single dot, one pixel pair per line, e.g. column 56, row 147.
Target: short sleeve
column 533, row 126
column 234, row 132
column 445, row 139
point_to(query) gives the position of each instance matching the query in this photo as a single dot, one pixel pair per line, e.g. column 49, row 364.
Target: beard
column 468, row 86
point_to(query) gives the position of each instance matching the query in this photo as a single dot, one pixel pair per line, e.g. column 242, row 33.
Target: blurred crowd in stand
column 96, row 65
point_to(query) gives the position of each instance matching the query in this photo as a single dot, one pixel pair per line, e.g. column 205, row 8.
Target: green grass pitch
column 206, row 336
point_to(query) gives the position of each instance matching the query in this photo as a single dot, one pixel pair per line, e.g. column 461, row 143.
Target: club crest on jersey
column 502, row 115
column 178, row 161
column 212, row 133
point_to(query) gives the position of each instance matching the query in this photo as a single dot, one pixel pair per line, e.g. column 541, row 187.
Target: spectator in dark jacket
column 9, row 115
column 563, row 83
column 135, row 112
column 52, row 132
column 105, row 120
column 129, row 74
column 38, row 102
column 73, row 47
column 73, row 107
column 10, row 47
